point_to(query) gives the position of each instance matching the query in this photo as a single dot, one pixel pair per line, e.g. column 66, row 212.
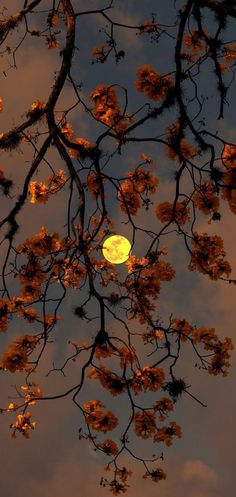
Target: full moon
column 116, row 249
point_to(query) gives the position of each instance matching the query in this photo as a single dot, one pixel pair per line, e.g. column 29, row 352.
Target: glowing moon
column 116, row 249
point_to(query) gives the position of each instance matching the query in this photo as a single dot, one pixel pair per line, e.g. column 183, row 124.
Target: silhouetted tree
column 137, row 358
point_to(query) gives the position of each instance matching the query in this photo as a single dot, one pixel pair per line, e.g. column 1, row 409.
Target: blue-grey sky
column 53, row 462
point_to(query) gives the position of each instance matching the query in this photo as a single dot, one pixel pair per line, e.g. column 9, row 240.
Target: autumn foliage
column 135, row 356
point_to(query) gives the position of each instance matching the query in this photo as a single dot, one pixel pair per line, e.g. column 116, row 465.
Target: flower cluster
column 167, row 212
column 155, row 475
column 112, row 382
column 103, row 350
column 183, row 150
column 73, row 271
column 84, row 148
column 56, row 181
column 52, row 41
column 116, row 487
column 106, row 108
column 219, row 363
column 230, row 53
column 118, row 484
column 138, row 182
column 40, row 191
column 101, row 52
column 145, row 424
column 32, row 392
column 38, row 109
column 229, row 156
column 97, row 419
column 127, row 355
column 94, row 184
column 208, row 256
column 147, row 379
column 41, row 244
column 148, row 27
column 23, row 424
column 105, row 270
column 229, row 178
column 182, row 328
column 15, row 357
column 31, row 276
column 195, row 41
column 163, row 407
column 144, row 283
column 205, row 198
column 220, row 359
column 5, row 309
column 123, row 474
column 152, row 334
column 165, row 433
column 29, row 314
column 66, row 270
column 67, row 130
column 155, row 86
column 109, row 447
column 229, row 189
column 177, row 148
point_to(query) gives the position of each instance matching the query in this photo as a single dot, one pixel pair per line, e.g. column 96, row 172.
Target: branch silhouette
column 129, row 351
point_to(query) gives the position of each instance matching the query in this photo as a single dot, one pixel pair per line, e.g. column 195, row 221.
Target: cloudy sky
column 53, row 462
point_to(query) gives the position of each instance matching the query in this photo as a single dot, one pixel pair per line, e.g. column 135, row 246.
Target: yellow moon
column 116, row 249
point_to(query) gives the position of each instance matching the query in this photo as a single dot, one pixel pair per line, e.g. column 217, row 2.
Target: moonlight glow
column 116, row 249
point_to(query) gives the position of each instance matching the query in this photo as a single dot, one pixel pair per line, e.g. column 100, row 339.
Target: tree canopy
column 94, row 155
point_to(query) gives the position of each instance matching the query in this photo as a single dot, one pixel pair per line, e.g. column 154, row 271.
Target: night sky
column 54, row 462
